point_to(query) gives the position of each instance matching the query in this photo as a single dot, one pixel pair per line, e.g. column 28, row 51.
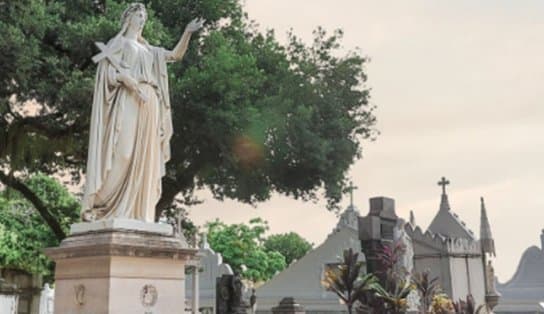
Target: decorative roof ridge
column 436, row 236
column 427, row 234
column 461, row 222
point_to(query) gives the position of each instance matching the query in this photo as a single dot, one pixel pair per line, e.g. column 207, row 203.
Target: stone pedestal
column 111, row 269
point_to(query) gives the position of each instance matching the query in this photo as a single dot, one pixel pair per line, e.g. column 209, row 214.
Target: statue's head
column 134, row 16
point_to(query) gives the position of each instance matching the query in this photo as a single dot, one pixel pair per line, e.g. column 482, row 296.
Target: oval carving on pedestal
column 149, row 295
column 79, row 294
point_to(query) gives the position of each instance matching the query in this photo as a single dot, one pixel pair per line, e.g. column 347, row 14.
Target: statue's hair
column 133, row 7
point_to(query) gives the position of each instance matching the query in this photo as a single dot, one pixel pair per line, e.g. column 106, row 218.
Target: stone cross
column 443, row 182
column 350, row 190
column 108, row 54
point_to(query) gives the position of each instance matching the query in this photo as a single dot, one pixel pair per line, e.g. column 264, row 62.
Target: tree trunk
column 172, row 186
column 169, row 191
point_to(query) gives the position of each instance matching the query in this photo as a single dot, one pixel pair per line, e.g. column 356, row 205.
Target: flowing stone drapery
column 131, row 123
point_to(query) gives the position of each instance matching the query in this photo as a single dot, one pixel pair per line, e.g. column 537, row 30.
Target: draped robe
column 129, row 138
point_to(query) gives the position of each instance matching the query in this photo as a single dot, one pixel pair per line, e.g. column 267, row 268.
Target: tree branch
column 172, row 186
column 169, row 191
column 39, row 205
column 40, row 124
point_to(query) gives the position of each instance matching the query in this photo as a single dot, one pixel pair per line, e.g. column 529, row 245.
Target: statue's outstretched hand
column 195, row 25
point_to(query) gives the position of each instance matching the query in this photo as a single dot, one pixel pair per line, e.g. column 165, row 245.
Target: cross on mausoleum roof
column 350, row 191
column 443, row 182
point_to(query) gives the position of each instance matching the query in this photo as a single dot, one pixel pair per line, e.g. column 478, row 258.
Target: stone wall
column 28, row 289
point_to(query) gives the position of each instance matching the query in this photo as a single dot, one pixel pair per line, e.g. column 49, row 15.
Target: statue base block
column 111, row 271
column 121, row 224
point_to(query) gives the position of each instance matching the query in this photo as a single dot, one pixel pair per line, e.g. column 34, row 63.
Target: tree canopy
column 241, row 246
column 291, row 245
column 252, row 116
column 23, row 235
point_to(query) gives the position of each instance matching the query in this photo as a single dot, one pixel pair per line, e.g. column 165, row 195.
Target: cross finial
column 443, row 182
column 350, row 189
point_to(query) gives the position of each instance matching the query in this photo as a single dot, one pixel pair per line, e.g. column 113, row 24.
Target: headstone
column 211, row 267
column 288, row 306
column 230, row 295
column 223, row 294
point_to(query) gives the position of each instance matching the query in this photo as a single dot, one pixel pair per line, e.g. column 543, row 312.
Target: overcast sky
column 458, row 90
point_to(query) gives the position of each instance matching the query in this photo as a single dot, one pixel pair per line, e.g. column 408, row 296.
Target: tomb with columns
column 451, row 251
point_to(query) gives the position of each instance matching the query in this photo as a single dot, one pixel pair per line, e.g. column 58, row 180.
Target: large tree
column 291, row 245
column 241, row 246
column 251, row 116
column 23, row 235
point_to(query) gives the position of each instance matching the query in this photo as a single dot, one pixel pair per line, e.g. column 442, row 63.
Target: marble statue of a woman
column 131, row 122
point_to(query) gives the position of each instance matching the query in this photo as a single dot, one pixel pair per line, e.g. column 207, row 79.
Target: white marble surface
column 121, row 224
column 131, row 122
column 8, row 304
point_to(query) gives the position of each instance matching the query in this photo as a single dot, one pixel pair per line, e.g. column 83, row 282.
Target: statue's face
column 137, row 20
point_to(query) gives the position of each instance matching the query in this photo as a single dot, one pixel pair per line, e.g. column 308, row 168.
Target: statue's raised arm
column 131, row 122
column 179, row 51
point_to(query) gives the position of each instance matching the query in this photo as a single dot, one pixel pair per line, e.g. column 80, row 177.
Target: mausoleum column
column 196, row 294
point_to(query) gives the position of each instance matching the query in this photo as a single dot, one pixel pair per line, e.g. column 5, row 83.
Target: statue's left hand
column 195, row 25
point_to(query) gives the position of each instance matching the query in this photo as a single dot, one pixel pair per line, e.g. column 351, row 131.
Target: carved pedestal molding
column 106, row 271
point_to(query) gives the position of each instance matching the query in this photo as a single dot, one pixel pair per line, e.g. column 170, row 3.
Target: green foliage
column 393, row 292
column 242, row 244
column 347, row 280
column 23, row 235
column 394, row 297
column 291, row 245
column 251, row 116
column 427, row 288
